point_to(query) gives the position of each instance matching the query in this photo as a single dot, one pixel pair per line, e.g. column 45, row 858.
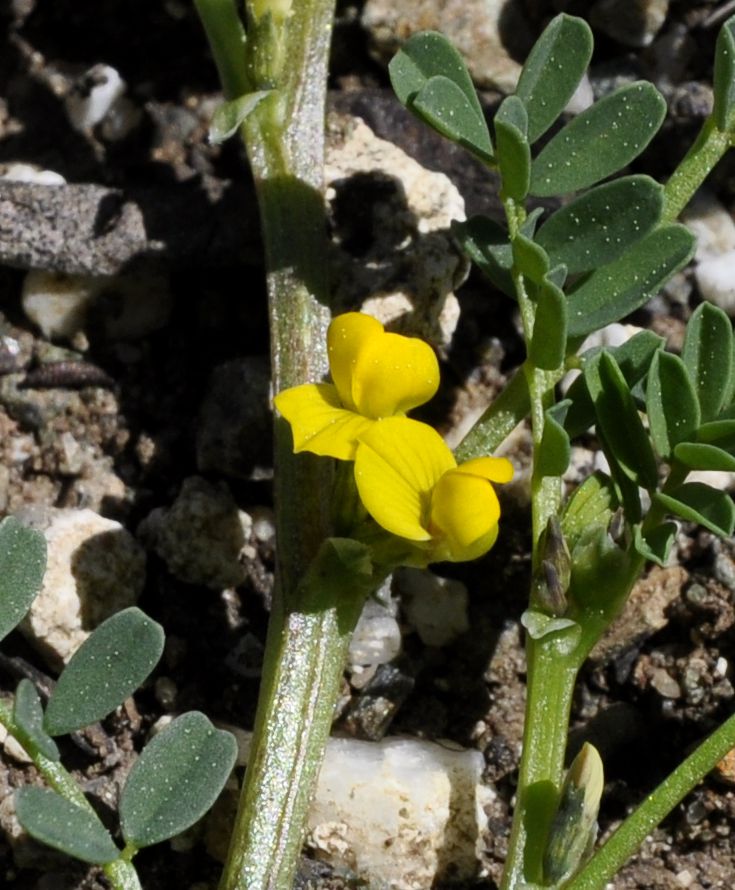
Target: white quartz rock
column 94, row 569
column 398, row 812
column 377, row 637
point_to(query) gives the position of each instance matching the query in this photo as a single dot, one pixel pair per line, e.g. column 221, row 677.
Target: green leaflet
column 176, row 779
column 699, row 456
column 553, row 70
column 229, row 116
column 555, row 449
column 600, row 225
column 718, row 432
column 58, row 823
column 600, row 141
column 708, row 356
column 530, row 258
column 591, row 506
column 671, row 403
column 549, row 341
column 614, row 291
column 633, row 358
column 656, row 544
column 446, row 108
column 487, row 246
column 702, row 504
column 453, row 110
column 618, row 419
column 28, row 718
column 724, row 77
column 108, row 667
column 22, row 564
column 513, row 150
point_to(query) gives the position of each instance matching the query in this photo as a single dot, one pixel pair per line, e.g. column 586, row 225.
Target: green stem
column 551, row 678
column 121, row 873
column 305, row 649
column 621, row 845
column 707, row 149
column 226, row 37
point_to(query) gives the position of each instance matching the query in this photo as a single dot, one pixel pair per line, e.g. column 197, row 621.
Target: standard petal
column 397, row 465
column 318, row 422
column 346, row 337
column 464, row 515
column 496, row 469
column 393, row 374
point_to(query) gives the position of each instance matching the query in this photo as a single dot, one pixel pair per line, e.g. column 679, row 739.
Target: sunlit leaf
column 671, row 403
column 22, row 564
column 708, row 356
column 446, row 108
column 548, row 344
column 553, row 70
column 28, row 718
column 600, row 141
column 513, row 150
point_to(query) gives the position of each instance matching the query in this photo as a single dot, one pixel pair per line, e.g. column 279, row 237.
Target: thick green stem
column 305, row 649
column 619, row 848
column 550, row 685
column 709, row 146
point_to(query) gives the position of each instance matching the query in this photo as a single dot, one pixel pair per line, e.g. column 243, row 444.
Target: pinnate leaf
column 58, row 823
column 708, row 356
column 600, row 225
column 176, row 779
column 724, row 77
column 600, row 141
column 702, row 504
column 671, row 403
column 553, row 70
column 22, row 564
column 513, row 150
column 108, row 667
column 614, row 291
column 28, row 718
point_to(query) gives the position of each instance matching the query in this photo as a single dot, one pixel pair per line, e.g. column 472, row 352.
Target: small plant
column 178, row 775
column 398, row 496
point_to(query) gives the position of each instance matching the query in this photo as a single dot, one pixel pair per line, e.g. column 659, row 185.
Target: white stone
column 716, row 281
column 398, row 812
column 435, row 607
column 712, row 223
column 94, row 569
column 91, row 99
column 19, row 171
column 377, row 637
column 630, row 23
column 131, row 306
column 201, row 536
column 407, row 276
column 582, row 98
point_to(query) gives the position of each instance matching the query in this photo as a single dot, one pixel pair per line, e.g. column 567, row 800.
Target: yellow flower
column 410, row 483
column 375, row 374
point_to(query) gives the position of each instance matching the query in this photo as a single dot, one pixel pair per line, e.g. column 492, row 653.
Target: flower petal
column 393, row 374
column 346, row 337
column 318, row 422
column 398, row 463
column 495, row 469
column 464, row 513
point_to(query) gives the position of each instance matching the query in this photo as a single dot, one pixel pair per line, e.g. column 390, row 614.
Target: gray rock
column 633, row 23
column 435, row 607
column 377, row 637
column 201, row 536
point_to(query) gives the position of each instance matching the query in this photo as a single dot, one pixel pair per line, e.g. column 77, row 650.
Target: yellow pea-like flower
column 376, row 375
column 410, row 483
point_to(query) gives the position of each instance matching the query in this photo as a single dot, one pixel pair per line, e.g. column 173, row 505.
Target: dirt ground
column 134, row 406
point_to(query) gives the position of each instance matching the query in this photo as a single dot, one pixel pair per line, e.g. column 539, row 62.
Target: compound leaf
column 176, row 779
column 702, row 504
column 614, row 291
column 600, row 141
column 58, row 823
column 708, row 356
column 108, row 667
column 553, row 70
column 600, row 225
column 28, row 718
column 671, row 403
column 22, row 564
column 723, row 111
